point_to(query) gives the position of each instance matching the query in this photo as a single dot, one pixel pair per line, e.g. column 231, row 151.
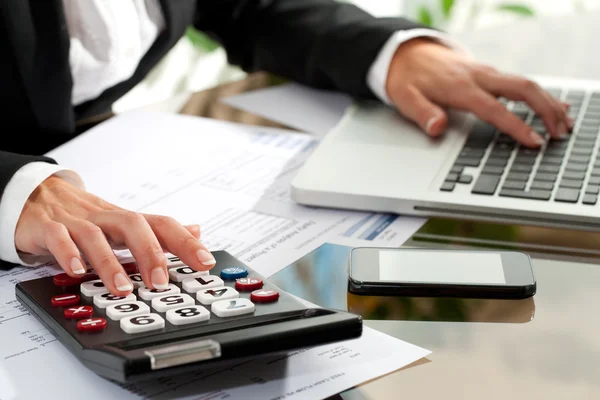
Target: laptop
column 375, row 160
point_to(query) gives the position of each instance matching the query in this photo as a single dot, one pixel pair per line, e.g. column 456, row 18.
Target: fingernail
column 536, row 138
column 430, row 123
column 561, row 129
column 159, row 278
column 205, row 257
column 571, row 123
column 77, row 266
column 122, row 282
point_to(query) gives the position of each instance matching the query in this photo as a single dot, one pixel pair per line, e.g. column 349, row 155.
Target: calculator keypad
column 146, row 309
column 142, row 323
column 170, row 301
column 117, row 312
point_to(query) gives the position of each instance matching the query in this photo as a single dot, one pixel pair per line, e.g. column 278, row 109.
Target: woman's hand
column 425, row 77
column 65, row 221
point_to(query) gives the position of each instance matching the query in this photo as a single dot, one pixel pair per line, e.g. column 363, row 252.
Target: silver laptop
column 375, row 160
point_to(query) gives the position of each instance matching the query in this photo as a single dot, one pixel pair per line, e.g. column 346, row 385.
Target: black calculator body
column 180, row 329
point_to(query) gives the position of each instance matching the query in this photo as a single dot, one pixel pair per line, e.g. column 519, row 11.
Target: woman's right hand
column 64, row 221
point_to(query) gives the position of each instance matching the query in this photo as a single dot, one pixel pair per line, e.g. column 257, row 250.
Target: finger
column 490, row 110
column 59, row 243
column 133, row 230
column 416, row 107
column 179, row 241
column 522, row 89
column 194, row 230
column 91, row 240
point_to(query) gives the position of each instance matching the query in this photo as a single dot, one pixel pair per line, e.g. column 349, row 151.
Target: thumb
column 416, row 107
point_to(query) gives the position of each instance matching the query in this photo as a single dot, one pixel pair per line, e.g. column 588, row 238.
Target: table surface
column 546, row 347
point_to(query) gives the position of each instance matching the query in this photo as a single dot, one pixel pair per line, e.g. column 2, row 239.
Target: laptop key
column 551, row 160
column 521, row 168
column 576, row 167
column 496, row 162
column 486, row 184
column 594, row 180
column 568, row 183
column 579, row 160
column 517, row 177
column 492, row 170
column 517, row 185
column 566, row 195
column 592, row 189
column 550, row 169
column 452, row 177
column 574, row 175
column 448, row 186
column 531, row 194
column 542, row 185
column 589, row 199
column 457, row 169
column 468, row 161
column 481, row 135
column 466, row 179
column 596, row 172
column 540, row 176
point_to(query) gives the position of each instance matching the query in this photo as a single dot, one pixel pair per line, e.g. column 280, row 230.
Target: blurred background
column 197, row 63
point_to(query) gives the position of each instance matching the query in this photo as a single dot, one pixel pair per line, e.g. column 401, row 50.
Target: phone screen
column 441, row 267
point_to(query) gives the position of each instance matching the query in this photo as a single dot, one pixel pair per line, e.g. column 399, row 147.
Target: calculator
column 207, row 319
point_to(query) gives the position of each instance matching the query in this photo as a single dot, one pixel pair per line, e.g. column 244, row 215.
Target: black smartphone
column 440, row 273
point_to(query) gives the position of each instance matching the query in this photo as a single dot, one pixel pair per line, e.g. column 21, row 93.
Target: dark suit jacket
column 321, row 43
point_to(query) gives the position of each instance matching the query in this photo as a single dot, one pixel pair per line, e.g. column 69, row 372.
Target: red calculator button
column 90, row 277
column 264, row 296
column 65, row 300
column 79, row 312
column 130, row 268
column 66, row 280
column 247, row 284
column 91, row 325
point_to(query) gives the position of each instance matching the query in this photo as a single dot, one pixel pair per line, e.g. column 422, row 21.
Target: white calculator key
column 142, row 323
column 174, row 261
column 179, row 274
column 209, row 296
column 117, row 312
column 202, row 282
column 231, row 308
column 187, row 315
column 137, row 281
column 103, row 300
column 165, row 303
column 148, row 294
column 92, row 288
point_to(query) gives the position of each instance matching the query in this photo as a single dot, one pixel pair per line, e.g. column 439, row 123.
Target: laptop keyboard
column 568, row 171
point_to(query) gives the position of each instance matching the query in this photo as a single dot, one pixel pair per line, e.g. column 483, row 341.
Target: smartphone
column 440, row 273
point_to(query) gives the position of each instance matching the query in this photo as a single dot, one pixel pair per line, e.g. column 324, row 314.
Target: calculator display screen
column 441, row 267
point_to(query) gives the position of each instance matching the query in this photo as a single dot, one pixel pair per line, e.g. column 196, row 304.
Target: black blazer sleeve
column 321, row 43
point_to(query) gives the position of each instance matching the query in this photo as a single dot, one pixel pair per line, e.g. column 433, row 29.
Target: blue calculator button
column 233, row 273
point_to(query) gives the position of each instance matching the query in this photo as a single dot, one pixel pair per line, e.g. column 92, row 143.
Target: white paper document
column 297, row 106
column 34, row 365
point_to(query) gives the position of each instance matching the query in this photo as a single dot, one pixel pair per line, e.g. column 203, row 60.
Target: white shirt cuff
column 378, row 72
column 15, row 195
